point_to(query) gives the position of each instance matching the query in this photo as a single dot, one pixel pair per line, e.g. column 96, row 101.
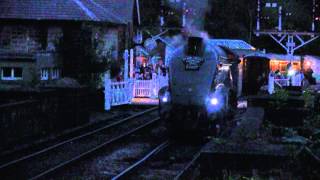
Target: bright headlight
column 214, row 101
column 165, row 99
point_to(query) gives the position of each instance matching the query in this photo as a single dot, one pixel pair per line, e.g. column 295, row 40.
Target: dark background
column 236, row 19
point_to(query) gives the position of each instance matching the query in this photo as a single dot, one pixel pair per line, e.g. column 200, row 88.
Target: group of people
column 146, row 72
column 308, row 79
column 295, row 77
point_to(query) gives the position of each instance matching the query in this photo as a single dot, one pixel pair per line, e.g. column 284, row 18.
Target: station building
column 31, row 32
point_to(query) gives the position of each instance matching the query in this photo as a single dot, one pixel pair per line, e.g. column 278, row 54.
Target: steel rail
column 142, row 160
column 182, row 173
column 93, row 150
column 24, row 158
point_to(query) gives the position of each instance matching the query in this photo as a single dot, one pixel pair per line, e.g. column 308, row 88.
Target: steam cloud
column 195, row 16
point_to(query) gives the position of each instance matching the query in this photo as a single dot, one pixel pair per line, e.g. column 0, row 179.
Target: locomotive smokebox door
column 194, row 54
column 195, row 46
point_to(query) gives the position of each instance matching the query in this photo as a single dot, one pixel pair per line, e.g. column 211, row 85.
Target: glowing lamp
column 164, row 99
column 214, row 101
column 308, row 63
column 291, row 72
column 225, row 68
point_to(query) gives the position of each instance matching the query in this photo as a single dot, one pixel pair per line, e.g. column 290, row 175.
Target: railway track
column 169, row 160
column 48, row 160
column 11, row 153
column 117, row 157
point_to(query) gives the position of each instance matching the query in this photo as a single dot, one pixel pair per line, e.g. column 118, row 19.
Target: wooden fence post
column 126, row 59
column 271, row 84
column 107, row 91
column 131, row 63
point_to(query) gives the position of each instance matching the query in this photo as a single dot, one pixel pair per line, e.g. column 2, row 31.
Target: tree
column 231, row 19
column 79, row 54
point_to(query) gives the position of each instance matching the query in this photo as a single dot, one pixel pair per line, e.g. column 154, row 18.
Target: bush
column 308, row 99
column 280, row 96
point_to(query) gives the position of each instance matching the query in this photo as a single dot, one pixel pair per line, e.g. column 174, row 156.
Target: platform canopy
column 239, row 47
column 231, row 44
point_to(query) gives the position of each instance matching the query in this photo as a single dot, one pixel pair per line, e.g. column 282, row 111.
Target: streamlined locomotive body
column 200, row 88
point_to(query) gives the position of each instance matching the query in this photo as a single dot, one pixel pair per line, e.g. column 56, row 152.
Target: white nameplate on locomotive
column 192, row 63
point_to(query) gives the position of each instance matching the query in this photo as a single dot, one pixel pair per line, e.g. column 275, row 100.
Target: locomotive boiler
column 201, row 91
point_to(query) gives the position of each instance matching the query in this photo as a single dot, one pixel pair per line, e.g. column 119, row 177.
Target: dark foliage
column 79, row 54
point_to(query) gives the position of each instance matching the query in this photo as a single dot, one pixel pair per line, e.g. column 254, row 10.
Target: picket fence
column 282, row 83
column 119, row 93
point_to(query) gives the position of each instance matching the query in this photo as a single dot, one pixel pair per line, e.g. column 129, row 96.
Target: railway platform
column 144, row 101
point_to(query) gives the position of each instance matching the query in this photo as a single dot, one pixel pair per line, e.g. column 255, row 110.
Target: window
column 55, row 73
column 11, row 73
column 6, row 72
column 44, row 75
column 17, row 72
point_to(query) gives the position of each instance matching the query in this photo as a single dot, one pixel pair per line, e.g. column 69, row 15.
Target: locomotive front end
column 192, row 100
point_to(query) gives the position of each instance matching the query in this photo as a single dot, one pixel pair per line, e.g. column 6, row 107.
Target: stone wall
column 54, row 35
column 20, row 39
column 41, row 113
column 106, row 41
column 41, row 42
column 29, row 72
column 37, row 42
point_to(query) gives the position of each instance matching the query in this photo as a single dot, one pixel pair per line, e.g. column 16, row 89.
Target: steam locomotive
column 202, row 91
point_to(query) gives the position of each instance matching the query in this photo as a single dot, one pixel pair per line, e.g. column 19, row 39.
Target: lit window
column 274, row 5
column 6, row 72
column 44, row 75
column 55, row 73
column 11, row 73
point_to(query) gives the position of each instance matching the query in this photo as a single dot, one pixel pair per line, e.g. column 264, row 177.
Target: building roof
column 112, row 11
column 245, row 53
column 283, row 57
column 231, row 44
column 313, row 57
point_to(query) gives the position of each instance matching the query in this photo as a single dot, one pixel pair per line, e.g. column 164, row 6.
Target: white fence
column 143, row 88
column 295, row 81
column 149, row 88
column 119, row 93
column 282, row 82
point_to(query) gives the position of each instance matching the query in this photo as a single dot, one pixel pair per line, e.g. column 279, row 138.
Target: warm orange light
column 141, row 58
column 274, row 62
column 308, row 63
